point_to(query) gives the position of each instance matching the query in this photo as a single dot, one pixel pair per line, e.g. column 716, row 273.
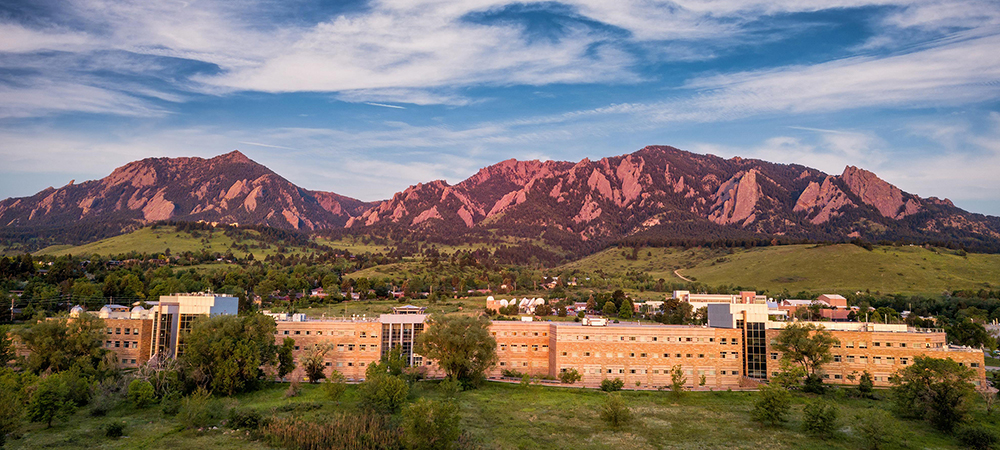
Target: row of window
column 864, row 344
column 320, row 333
column 121, row 344
column 523, row 333
column 724, row 355
column 724, row 341
column 128, row 331
column 523, row 347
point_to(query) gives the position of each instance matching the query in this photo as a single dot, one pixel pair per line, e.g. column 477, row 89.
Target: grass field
column 509, row 416
column 830, row 268
column 148, row 240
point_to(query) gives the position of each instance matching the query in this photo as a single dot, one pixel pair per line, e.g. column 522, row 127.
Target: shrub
column 335, row 385
column 245, row 419
column 570, row 376
column 511, row 373
column 450, row 387
column 876, row 428
column 814, row 384
column 171, row 404
column 866, row 385
column 525, row 380
column 114, row 430
column 978, row 437
column 772, row 405
column 106, row 397
column 612, row 385
column 819, row 418
column 677, row 380
column 200, row 410
column 615, row 412
column 430, row 425
column 140, row 393
column 383, row 393
column 293, row 389
column 348, row 431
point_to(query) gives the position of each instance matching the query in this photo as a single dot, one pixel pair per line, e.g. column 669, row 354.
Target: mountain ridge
column 649, row 193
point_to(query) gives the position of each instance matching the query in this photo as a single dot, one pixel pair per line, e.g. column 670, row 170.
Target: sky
column 365, row 98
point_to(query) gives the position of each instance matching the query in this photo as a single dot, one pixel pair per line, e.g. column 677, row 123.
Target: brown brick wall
column 881, row 354
column 129, row 339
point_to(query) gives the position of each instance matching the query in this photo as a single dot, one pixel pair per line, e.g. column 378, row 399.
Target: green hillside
column 149, row 240
column 829, row 268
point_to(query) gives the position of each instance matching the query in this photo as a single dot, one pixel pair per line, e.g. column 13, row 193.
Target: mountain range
column 656, row 193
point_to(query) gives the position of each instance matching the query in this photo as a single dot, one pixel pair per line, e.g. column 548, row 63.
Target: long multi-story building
column 734, row 349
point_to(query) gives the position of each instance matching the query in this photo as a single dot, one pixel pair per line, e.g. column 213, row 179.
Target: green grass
column 509, row 416
column 373, row 308
column 829, row 268
column 148, row 240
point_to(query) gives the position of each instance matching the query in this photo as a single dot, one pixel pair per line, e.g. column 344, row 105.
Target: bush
column 612, row 385
column 106, row 397
column 293, row 389
column 772, row 405
column 866, row 385
column 140, row 393
column 335, row 385
column 819, row 418
column 511, row 373
column 977, row 437
column 171, row 404
column 615, row 412
column 449, row 387
column 430, row 425
column 570, row 376
column 383, row 393
column 114, row 430
column 876, row 428
column 200, row 410
column 814, row 384
column 245, row 419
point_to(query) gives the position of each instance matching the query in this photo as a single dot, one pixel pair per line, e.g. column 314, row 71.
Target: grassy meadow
column 510, row 416
column 814, row 268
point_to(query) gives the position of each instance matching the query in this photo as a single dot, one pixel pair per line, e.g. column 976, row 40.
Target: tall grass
column 342, row 431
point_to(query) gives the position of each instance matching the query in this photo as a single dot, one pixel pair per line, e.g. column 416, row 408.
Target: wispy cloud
column 384, row 105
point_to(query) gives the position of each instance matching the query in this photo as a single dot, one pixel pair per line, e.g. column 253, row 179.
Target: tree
column 978, row 437
column 972, row 334
column 806, row 345
column 819, row 418
column 625, row 312
column 609, row 309
column 570, row 376
column 50, row 401
column 462, row 346
column 614, row 411
column 431, row 425
column 789, row 374
column 383, row 393
column 286, row 360
column 314, row 365
column 677, row 380
column 938, row 390
column 335, row 385
column 543, row 310
column 6, row 346
column 392, row 363
column 141, row 393
column 59, row 344
column 866, row 385
column 13, row 392
column 772, row 405
column 591, row 304
column 225, row 353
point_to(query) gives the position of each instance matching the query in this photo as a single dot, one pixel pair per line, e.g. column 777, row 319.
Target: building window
column 286, row 332
column 876, row 344
column 862, row 345
column 836, row 358
column 297, row 332
column 850, row 358
column 296, row 347
column 774, row 356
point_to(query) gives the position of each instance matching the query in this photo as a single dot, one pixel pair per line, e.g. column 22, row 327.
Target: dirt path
column 677, row 272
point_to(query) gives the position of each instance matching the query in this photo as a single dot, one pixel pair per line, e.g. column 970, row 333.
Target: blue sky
column 367, row 98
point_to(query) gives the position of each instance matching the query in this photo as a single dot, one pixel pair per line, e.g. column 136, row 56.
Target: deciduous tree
column 462, row 346
column 805, row 344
